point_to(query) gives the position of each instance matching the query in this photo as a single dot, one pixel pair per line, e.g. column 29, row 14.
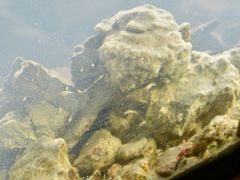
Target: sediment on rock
column 141, row 102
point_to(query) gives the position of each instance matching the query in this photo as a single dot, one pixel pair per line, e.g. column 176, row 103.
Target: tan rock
column 131, row 150
column 30, row 79
column 15, row 132
column 140, row 45
column 46, row 159
column 179, row 109
column 220, row 131
column 133, row 171
column 47, row 119
column 99, row 152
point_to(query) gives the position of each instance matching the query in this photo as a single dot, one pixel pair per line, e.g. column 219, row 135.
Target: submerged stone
column 99, row 152
column 46, row 159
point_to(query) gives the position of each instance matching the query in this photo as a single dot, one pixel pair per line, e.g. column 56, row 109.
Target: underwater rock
column 137, row 159
column 131, row 49
column 124, row 124
column 137, row 82
column 46, row 101
column 128, row 51
column 179, row 109
column 46, row 159
column 145, row 54
column 234, row 56
column 30, row 79
column 131, row 150
column 185, row 29
column 136, row 170
column 114, row 171
column 168, row 160
column 98, row 152
column 220, row 131
column 140, row 45
column 15, row 132
column 47, row 119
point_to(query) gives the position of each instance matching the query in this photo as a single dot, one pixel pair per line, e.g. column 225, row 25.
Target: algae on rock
column 99, row 152
column 45, row 159
column 137, row 82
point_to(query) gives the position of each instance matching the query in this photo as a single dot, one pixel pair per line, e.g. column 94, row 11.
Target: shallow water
column 116, row 90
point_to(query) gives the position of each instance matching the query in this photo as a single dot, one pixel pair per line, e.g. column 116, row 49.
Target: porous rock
column 220, row 131
column 43, row 100
column 131, row 49
column 136, row 170
column 177, row 110
column 137, row 149
column 98, row 152
column 168, row 160
column 45, row 159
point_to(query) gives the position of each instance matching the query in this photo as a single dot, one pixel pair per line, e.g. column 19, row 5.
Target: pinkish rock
column 168, row 160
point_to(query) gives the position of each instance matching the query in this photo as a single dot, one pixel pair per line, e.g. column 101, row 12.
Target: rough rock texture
column 131, row 150
column 99, row 152
column 45, row 159
column 29, row 81
column 134, row 171
column 144, row 52
column 167, row 91
column 168, row 160
column 140, row 45
column 133, row 48
column 178, row 109
column 15, row 132
column 222, row 129
column 137, row 159
column 35, row 101
column 124, row 123
column 234, row 56
column 128, row 51
column 138, row 149
column 47, row 118
column 136, row 81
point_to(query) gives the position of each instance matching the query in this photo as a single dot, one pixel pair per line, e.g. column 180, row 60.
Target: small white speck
column 70, row 118
column 142, row 123
column 67, row 88
column 79, row 91
column 10, row 140
column 93, row 64
column 81, row 69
